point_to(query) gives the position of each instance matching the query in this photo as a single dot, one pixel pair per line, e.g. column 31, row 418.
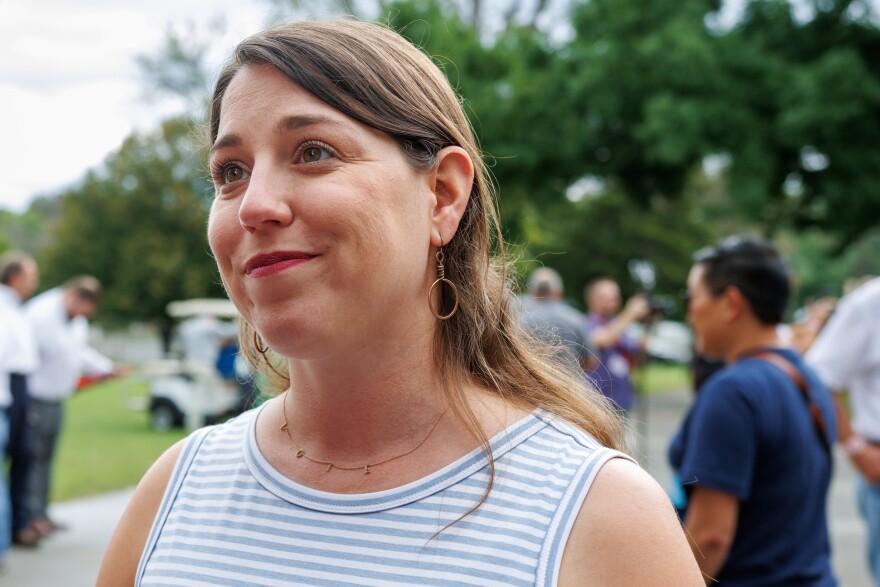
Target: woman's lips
column 266, row 265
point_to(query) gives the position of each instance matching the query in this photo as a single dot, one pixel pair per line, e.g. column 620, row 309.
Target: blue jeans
column 5, row 508
column 868, row 499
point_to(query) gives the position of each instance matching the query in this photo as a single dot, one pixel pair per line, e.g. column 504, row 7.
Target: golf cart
column 190, row 390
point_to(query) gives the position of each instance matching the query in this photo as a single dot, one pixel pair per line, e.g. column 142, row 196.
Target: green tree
column 645, row 100
column 139, row 225
column 598, row 237
column 807, row 94
column 31, row 230
column 526, row 98
column 179, row 68
column 638, row 98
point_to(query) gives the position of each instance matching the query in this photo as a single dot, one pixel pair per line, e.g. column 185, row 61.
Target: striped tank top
column 229, row 518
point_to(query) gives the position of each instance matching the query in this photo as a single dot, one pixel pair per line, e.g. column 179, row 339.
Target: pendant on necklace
column 366, row 469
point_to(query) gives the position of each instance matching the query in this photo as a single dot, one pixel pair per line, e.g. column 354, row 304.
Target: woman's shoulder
column 627, row 517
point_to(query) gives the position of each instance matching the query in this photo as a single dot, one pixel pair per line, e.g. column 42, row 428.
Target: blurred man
column 846, row 354
column 18, row 280
column 753, row 453
column 551, row 319
column 59, row 319
column 607, row 332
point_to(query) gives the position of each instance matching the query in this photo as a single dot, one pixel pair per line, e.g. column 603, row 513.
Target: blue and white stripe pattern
column 229, row 518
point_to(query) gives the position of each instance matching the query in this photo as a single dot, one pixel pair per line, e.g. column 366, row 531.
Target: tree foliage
column 809, row 98
column 635, row 96
column 540, row 110
column 138, row 224
column 646, row 92
column 179, row 68
column 599, row 237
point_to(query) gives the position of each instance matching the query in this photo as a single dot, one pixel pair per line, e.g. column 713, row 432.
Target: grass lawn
column 660, row 377
column 105, row 443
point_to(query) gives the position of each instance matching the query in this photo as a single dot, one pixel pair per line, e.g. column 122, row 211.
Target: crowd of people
column 429, row 426
column 767, row 412
column 43, row 352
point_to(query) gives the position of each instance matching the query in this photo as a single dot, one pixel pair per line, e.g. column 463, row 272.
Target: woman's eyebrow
column 289, row 123
column 286, row 124
column 222, row 142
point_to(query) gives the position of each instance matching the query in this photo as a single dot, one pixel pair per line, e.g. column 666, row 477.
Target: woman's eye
column 314, row 154
column 232, row 174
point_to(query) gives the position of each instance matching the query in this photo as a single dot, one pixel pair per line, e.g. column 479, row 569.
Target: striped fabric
column 229, row 518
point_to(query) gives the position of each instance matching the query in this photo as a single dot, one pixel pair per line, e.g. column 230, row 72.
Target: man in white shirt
column 18, row 280
column 846, row 355
column 59, row 319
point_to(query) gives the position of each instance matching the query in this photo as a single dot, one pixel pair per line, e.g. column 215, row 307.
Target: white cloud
column 70, row 87
column 58, row 133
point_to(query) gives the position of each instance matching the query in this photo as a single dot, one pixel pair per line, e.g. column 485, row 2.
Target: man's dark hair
column 11, row 264
column 755, row 268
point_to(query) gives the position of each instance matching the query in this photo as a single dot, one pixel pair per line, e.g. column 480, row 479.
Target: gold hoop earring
column 260, row 348
column 263, row 350
column 441, row 278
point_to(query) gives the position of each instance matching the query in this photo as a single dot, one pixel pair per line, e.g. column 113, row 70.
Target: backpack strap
column 797, row 377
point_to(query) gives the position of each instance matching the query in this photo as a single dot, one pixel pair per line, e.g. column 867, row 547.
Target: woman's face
column 320, row 226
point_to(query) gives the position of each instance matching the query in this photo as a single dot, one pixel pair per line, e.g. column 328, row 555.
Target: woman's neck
column 366, row 400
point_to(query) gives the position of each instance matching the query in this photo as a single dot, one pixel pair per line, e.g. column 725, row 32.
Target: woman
column 421, row 440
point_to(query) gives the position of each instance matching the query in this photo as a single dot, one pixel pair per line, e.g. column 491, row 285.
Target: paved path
column 71, row 558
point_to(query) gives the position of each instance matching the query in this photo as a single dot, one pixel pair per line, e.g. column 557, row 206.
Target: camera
column 645, row 275
column 661, row 305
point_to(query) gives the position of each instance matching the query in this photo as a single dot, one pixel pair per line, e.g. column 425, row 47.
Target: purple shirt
column 611, row 376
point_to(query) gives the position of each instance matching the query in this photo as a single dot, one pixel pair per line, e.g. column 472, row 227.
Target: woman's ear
column 451, row 181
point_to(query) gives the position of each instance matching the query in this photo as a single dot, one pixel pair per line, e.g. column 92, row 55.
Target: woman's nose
column 266, row 202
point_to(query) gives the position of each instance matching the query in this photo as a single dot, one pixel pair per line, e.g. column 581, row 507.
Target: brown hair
column 375, row 76
column 86, row 287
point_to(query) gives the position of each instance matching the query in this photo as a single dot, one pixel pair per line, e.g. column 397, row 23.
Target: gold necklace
column 301, row 453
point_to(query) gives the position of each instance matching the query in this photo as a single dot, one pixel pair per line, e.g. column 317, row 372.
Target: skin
column 355, row 325
column 627, row 534
column 78, row 306
column 724, row 326
column 867, row 460
column 603, row 299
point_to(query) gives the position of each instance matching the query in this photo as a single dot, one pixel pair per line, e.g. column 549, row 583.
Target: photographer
column 607, row 331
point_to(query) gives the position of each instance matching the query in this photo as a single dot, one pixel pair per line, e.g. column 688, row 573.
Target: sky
column 70, row 88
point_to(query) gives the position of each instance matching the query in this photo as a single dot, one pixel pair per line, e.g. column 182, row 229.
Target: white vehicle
column 190, row 391
column 670, row 341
